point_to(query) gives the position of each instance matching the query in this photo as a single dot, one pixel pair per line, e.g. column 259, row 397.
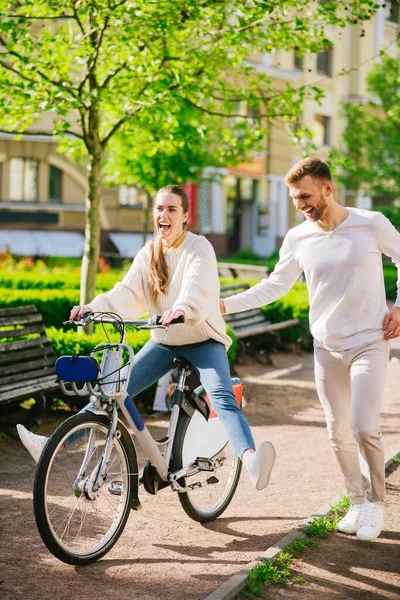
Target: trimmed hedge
column 30, row 280
column 54, row 305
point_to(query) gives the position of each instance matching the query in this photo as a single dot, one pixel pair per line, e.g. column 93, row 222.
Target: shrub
column 390, row 275
column 72, row 342
column 54, row 305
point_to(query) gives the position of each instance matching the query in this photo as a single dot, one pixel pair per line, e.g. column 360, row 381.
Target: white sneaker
column 33, row 443
column 371, row 521
column 259, row 465
column 351, row 521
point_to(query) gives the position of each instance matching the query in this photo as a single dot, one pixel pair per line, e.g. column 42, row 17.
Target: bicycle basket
column 80, row 369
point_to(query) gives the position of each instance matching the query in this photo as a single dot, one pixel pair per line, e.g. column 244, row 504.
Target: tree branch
column 42, row 133
column 31, row 17
column 111, row 75
column 77, row 19
column 58, row 84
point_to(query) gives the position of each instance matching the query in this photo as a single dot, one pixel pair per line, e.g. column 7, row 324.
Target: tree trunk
column 92, row 223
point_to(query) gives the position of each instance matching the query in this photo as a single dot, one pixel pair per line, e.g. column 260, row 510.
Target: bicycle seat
column 183, row 362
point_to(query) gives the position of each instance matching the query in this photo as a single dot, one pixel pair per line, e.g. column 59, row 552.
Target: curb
column 237, row 583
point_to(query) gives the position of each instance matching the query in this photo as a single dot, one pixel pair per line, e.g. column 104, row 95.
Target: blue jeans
column 210, row 361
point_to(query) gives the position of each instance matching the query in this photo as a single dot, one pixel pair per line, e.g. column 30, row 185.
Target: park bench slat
column 23, row 331
column 19, row 345
column 19, row 310
column 265, row 327
column 27, row 366
column 46, row 350
column 29, row 390
column 21, row 376
column 20, row 320
column 23, row 366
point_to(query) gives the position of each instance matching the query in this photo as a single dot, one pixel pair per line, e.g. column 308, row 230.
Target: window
column 298, row 62
column 324, row 61
column 322, row 130
column 24, row 179
column 130, row 195
column 392, row 11
column 55, row 184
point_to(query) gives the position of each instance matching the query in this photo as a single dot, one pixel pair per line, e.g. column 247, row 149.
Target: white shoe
column 371, row 521
column 351, row 521
column 259, row 465
column 33, row 443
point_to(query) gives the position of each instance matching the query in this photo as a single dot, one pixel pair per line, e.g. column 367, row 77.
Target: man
column 340, row 251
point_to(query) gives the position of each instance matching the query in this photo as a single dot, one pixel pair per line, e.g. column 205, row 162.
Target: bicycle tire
column 76, row 529
column 207, row 503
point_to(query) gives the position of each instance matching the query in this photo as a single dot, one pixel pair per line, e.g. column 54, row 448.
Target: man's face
column 310, row 196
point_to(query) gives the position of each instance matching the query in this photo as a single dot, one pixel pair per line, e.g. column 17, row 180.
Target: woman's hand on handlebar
column 170, row 315
column 78, row 311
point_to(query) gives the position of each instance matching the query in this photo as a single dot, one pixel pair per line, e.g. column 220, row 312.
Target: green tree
column 100, row 66
column 369, row 155
column 177, row 146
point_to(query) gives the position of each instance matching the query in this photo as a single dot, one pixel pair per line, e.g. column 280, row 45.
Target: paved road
column 162, row 553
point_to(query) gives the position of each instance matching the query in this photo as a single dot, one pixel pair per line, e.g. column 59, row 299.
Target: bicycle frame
column 114, row 391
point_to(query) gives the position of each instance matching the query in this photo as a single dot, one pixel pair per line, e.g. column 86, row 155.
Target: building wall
column 265, row 219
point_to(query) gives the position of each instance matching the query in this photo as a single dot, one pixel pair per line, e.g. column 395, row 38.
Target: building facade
column 42, row 194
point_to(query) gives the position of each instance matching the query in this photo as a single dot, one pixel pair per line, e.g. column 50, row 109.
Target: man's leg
column 332, row 378
column 368, row 372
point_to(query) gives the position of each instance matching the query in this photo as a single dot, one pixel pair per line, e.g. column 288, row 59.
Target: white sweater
column 193, row 287
column 344, row 276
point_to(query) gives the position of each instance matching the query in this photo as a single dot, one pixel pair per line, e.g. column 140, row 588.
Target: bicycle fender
column 197, row 403
column 97, row 411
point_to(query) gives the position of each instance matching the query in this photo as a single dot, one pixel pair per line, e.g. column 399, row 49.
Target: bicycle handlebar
column 151, row 323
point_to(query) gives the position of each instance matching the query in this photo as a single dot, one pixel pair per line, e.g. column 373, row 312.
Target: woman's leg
column 368, row 371
column 211, row 361
column 332, row 378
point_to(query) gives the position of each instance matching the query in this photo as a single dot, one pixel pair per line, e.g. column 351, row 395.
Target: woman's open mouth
column 164, row 227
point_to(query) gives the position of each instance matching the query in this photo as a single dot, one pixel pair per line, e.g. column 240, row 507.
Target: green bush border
column 278, row 570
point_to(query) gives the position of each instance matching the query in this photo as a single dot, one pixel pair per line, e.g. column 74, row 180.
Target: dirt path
column 162, row 553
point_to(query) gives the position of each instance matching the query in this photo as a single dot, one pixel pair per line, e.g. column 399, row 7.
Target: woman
column 173, row 275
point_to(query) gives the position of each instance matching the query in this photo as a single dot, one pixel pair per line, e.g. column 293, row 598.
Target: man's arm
column 285, row 274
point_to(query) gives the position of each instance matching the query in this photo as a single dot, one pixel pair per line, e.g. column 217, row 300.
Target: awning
column 42, row 243
column 128, row 244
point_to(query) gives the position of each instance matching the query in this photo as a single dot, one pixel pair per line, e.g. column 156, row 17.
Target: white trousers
column 350, row 387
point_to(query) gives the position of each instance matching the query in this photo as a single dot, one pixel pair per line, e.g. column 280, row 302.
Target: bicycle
column 87, row 478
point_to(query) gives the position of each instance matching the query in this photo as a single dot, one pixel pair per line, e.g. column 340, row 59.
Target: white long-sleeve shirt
column 193, row 287
column 344, row 276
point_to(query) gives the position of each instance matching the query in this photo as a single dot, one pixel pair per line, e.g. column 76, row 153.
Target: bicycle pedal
column 204, row 464
column 115, row 487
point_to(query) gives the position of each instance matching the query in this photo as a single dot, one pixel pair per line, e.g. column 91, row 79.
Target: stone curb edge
column 237, row 583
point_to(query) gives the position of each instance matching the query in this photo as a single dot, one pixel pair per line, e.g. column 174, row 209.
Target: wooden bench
column 235, row 270
column 26, row 358
column 252, row 322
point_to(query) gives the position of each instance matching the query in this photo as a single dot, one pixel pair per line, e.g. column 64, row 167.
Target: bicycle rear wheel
column 78, row 529
column 208, row 502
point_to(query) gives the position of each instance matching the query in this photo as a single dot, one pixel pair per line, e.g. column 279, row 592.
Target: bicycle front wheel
column 77, row 525
column 207, row 501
